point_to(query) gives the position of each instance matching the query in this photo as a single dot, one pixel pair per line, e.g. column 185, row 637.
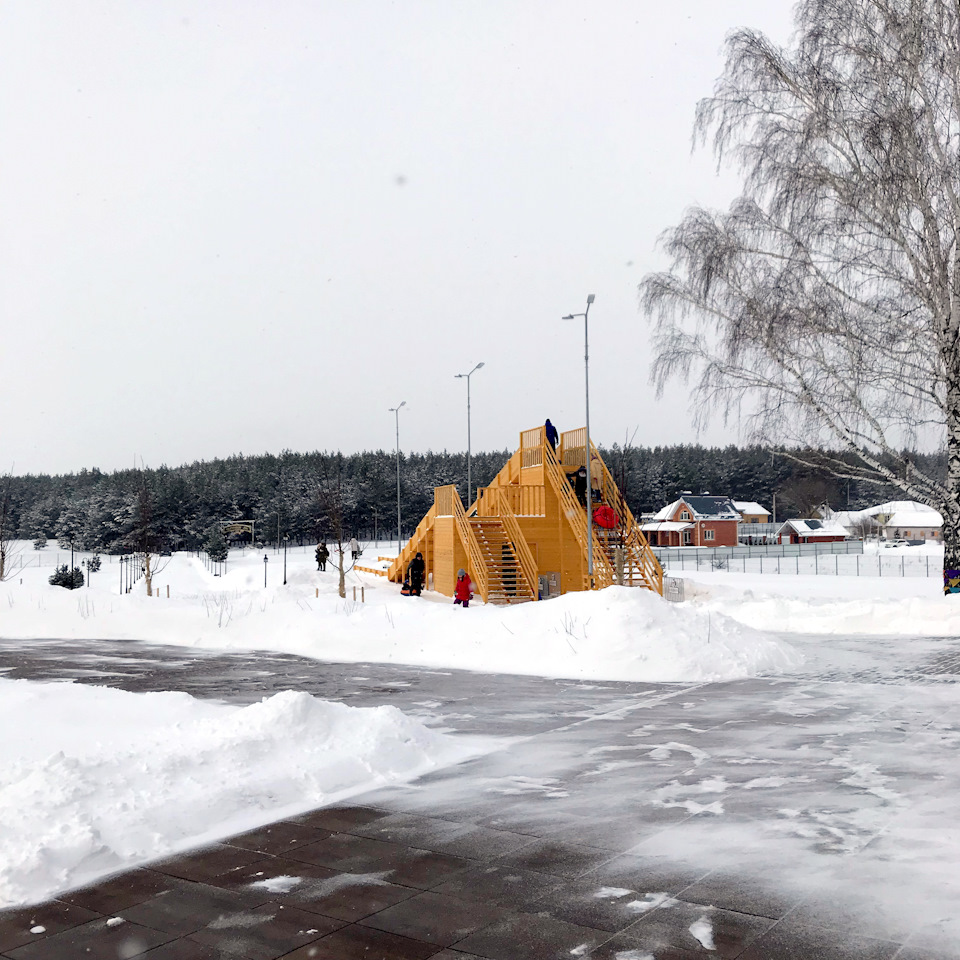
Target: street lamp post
column 285, row 539
column 587, row 457
column 123, row 561
column 460, row 376
column 266, row 560
column 396, row 412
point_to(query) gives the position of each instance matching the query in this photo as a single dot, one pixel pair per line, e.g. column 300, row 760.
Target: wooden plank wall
column 448, row 555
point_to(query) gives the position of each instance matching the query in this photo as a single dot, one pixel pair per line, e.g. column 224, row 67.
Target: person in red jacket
column 462, row 593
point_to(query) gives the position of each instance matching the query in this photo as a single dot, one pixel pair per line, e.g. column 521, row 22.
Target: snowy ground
column 621, row 634
column 97, row 779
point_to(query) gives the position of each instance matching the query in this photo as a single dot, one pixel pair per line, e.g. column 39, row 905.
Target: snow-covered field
column 619, row 634
column 93, row 780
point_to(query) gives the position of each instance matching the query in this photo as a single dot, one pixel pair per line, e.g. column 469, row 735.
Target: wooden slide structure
column 525, row 537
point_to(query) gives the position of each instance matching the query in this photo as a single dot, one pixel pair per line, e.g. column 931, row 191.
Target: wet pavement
column 765, row 819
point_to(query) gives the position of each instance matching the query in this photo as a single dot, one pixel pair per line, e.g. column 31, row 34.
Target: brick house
column 694, row 522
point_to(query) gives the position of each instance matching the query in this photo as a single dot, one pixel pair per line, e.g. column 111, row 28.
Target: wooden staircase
column 506, row 580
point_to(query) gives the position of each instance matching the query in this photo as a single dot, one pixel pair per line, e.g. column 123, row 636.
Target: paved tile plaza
column 764, row 819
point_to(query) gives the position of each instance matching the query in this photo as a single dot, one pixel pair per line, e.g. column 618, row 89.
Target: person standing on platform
column 552, row 435
column 354, row 549
column 322, row 554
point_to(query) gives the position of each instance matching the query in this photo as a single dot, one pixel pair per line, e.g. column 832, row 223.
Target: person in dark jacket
column 322, row 554
column 552, row 435
column 580, row 485
column 416, row 574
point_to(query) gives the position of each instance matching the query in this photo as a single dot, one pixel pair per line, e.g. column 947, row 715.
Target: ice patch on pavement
column 702, row 931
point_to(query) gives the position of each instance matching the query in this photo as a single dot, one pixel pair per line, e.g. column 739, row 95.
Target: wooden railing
column 475, row 564
column 521, row 549
column 399, row 566
column 532, row 443
column 573, row 447
column 525, row 500
column 577, row 518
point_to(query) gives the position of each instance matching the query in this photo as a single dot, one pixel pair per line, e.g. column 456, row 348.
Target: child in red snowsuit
column 463, row 591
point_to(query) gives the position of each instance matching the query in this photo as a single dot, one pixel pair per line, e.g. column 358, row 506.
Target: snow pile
column 97, row 780
column 631, row 634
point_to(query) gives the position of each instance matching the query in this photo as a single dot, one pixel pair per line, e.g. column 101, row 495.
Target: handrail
column 521, row 549
column 399, row 566
column 476, row 567
column 576, row 516
column 637, row 550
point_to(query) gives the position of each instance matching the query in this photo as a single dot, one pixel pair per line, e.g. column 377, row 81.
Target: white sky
column 243, row 227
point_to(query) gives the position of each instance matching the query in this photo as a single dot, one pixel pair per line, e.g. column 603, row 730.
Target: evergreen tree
column 215, row 545
column 67, row 578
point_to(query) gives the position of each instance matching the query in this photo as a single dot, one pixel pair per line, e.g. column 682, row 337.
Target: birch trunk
column 950, row 508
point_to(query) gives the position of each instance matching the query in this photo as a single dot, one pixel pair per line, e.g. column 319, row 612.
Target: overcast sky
column 250, row 226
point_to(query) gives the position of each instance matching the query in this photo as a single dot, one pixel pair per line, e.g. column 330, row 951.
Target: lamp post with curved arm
column 467, row 376
column 586, row 368
column 396, row 412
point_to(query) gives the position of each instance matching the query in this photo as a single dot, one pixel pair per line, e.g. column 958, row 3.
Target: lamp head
column 590, row 299
column 569, row 316
column 479, row 365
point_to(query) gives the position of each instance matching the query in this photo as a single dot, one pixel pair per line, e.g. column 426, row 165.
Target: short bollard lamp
column 266, row 560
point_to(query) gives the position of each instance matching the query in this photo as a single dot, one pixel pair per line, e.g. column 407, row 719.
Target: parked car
column 897, row 543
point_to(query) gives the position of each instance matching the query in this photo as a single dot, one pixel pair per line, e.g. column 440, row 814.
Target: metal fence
column 763, row 550
column 829, row 564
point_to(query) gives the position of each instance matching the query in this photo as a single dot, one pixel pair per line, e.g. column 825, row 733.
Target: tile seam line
column 623, row 711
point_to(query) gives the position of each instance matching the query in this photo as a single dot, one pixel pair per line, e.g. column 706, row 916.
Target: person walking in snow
column 463, row 591
column 322, row 553
column 416, row 575
column 552, row 435
column 354, row 549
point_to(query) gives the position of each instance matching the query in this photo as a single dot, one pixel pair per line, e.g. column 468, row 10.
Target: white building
column 894, row 520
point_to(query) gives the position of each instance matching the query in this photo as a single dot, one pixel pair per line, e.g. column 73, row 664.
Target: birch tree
column 144, row 533
column 331, row 497
column 823, row 307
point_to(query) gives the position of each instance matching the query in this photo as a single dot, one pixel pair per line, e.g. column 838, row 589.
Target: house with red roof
column 811, row 531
